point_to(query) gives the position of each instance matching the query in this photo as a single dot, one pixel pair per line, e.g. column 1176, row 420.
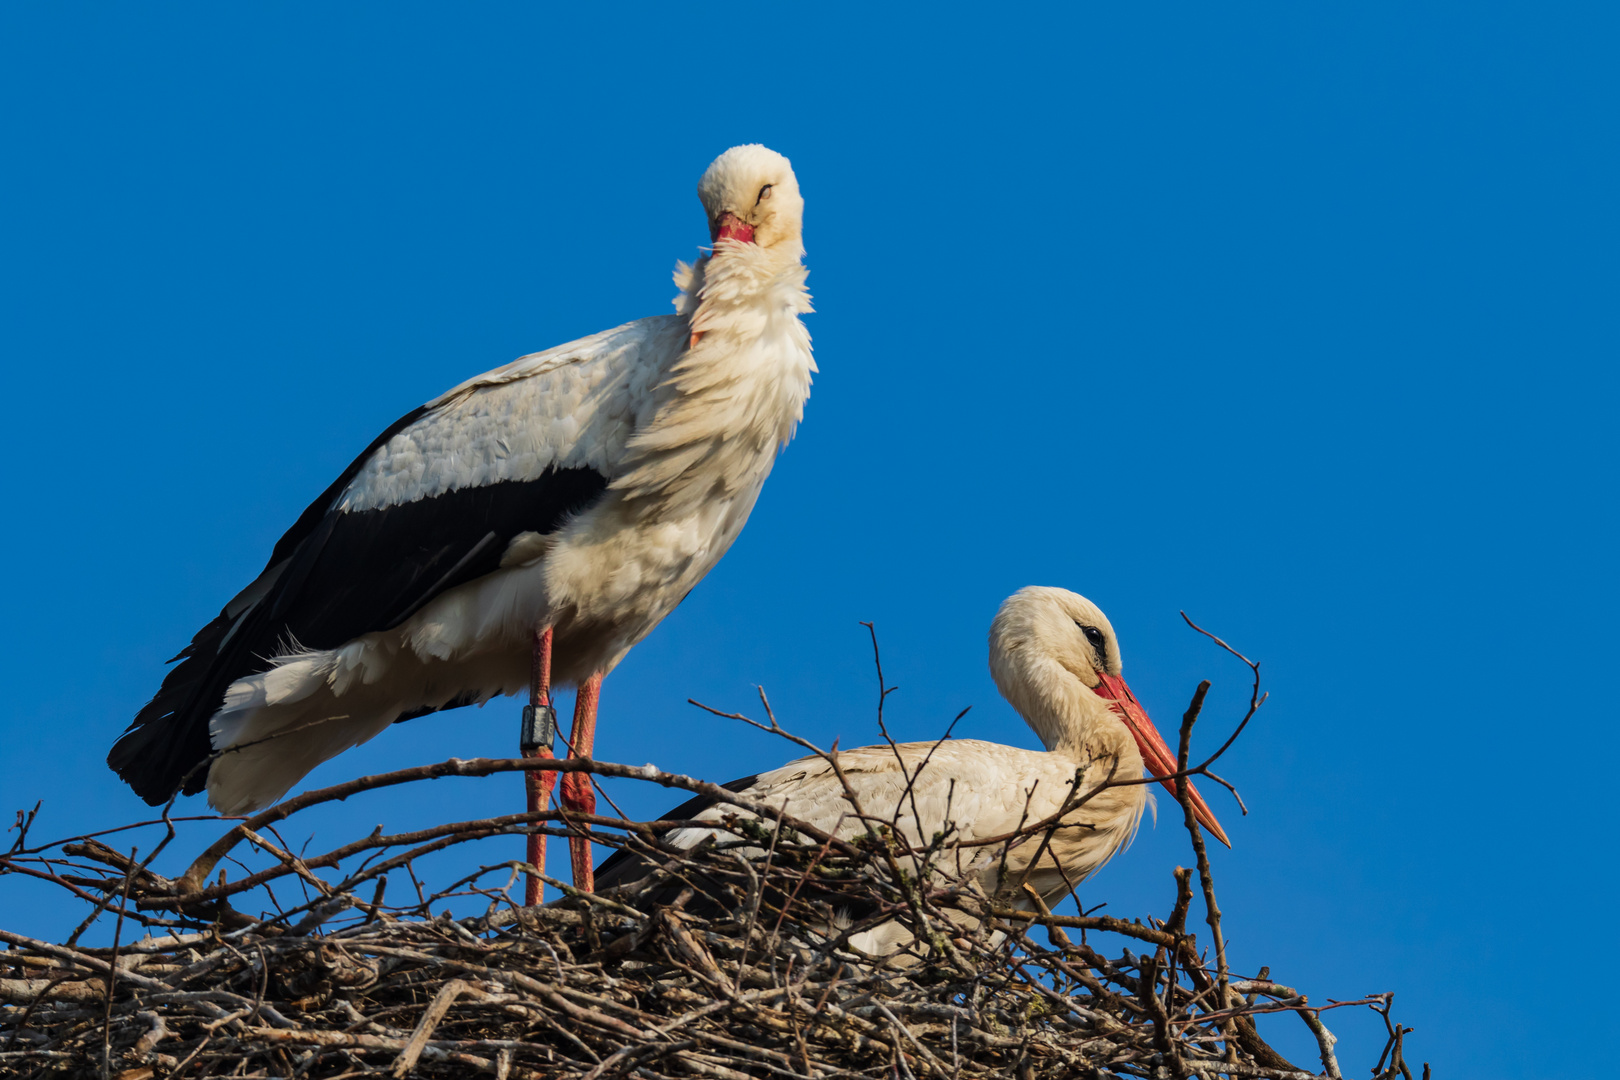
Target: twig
column 112, row 976
column 1212, row 911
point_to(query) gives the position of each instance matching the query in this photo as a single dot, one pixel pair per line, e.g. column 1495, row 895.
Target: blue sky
column 1300, row 318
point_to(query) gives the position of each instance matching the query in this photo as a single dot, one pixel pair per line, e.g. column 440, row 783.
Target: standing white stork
column 1054, row 657
column 534, row 522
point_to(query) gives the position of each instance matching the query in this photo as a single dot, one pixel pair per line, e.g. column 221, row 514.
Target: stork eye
column 1095, row 636
column 764, row 193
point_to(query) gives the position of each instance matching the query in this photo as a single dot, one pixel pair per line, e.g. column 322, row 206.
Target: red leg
column 538, row 784
column 577, row 792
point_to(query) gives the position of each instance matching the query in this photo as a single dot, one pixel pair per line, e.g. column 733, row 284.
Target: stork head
column 752, row 197
column 1055, row 658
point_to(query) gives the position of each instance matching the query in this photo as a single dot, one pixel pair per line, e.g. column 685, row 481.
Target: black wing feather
column 334, row 576
column 625, row 866
column 713, row 899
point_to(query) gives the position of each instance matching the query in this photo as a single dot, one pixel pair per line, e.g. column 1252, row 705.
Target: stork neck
column 718, row 287
column 1068, row 717
column 735, row 392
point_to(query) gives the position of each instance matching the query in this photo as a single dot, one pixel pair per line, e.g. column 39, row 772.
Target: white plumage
column 1055, row 658
column 585, row 489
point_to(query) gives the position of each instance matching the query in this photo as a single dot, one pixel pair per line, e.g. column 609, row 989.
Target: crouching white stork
column 1054, row 657
column 530, row 525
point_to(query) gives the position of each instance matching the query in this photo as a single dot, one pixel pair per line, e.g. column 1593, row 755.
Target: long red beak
column 729, row 227
column 1159, row 758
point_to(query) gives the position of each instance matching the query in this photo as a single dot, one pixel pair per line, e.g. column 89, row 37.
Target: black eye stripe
column 1098, row 640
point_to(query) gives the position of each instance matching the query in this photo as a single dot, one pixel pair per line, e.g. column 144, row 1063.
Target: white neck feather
column 1067, row 716
column 729, row 400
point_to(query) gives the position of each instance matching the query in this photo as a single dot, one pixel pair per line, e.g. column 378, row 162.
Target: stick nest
column 738, row 974
column 730, row 960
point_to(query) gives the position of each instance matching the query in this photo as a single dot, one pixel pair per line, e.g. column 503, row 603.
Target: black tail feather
column 168, row 740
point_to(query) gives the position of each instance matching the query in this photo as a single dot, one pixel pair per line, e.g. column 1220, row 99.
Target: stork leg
column 577, row 792
column 539, row 727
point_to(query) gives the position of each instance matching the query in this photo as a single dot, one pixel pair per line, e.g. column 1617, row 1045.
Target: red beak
column 1159, row 758
column 728, row 227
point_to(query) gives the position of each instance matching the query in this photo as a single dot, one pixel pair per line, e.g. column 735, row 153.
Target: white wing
column 574, row 406
column 988, row 793
column 982, row 789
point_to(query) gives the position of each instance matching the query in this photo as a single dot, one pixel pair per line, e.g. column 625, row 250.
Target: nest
column 730, row 960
